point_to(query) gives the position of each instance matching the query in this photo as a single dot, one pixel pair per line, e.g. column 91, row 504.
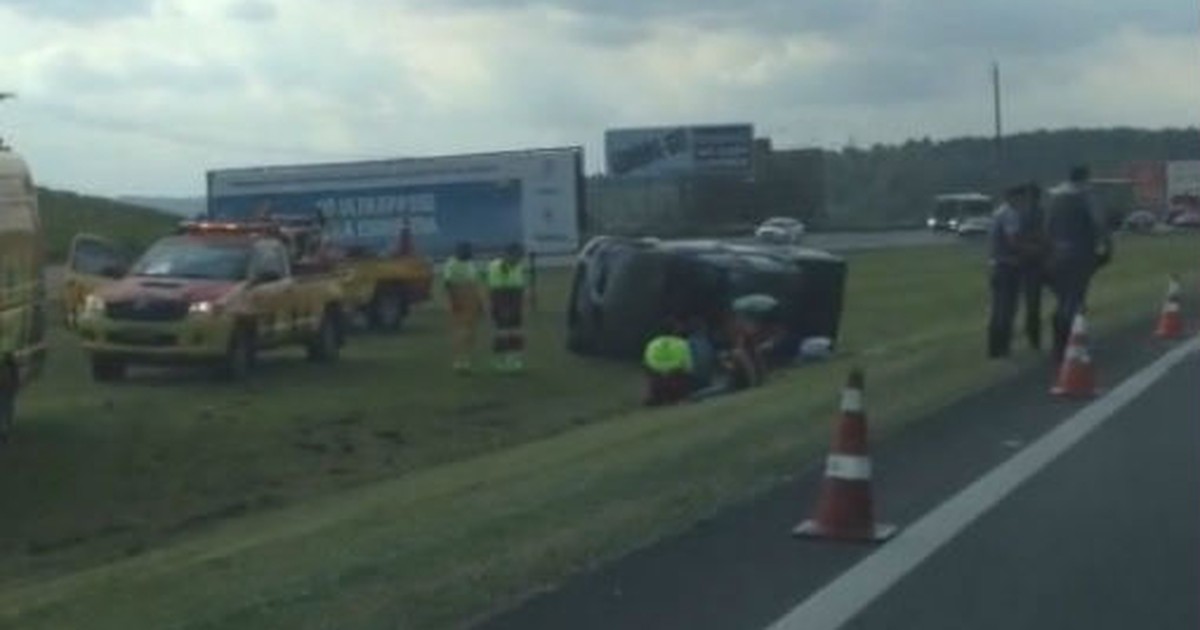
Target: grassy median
column 387, row 492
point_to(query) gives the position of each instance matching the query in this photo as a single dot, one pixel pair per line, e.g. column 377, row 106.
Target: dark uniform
column 1032, row 250
column 1079, row 245
column 1005, row 274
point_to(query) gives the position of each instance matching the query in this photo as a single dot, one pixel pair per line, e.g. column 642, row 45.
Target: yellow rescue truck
column 214, row 294
column 22, row 285
column 380, row 287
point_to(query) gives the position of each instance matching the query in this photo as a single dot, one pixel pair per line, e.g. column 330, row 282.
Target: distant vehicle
column 1186, row 219
column 950, row 209
column 625, row 288
column 1140, row 221
column 22, row 286
column 780, row 230
column 215, row 294
column 974, row 226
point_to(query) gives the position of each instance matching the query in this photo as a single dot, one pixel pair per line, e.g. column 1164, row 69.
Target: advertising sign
column 675, row 151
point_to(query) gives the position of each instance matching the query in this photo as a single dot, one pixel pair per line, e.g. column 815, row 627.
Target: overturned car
column 625, row 289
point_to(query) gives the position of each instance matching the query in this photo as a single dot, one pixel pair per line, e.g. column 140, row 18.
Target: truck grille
column 138, row 338
column 147, row 310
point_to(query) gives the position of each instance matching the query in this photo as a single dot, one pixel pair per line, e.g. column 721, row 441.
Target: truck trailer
column 532, row 197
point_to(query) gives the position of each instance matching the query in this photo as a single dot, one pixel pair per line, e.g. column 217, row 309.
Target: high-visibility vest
column 458, row 271
column 501, row 275
column 668, row 353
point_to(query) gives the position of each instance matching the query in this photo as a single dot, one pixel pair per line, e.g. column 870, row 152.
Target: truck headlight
column 93, row 305
column 202, row 308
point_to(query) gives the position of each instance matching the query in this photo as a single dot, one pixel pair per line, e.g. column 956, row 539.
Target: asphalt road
column 1103, row 534
column 1108, row 536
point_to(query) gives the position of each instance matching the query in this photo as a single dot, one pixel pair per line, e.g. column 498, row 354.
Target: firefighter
column 506, row 293
column 461, row 279
column 669, row 368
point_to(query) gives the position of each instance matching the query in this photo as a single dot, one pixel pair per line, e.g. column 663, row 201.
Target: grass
column 387, row 493
column 65, row 214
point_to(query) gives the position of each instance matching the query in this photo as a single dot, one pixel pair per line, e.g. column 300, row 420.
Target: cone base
column 1063, row 392
column 879, row 532
column 1169, row 335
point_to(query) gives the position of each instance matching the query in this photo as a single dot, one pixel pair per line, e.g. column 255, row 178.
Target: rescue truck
column 22, row 285
column 214, row 294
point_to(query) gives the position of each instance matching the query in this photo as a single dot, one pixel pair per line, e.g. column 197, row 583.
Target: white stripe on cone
column 848, row 467
column 852, row 400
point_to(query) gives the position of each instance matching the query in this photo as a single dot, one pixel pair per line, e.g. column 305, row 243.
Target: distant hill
column 179, row 206
column 65, row 214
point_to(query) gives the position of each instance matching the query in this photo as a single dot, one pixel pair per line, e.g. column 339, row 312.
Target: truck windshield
column 194, row 260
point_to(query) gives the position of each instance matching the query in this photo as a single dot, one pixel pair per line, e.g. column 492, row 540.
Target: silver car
column 780, row 230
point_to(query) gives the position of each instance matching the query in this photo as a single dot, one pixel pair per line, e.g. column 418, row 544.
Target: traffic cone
column 844, row 510
column 1077, row 375
column 1170, row 321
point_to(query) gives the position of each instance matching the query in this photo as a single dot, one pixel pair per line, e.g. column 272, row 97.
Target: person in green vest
column 669, row 367
column 506, row 279
column 461, row 279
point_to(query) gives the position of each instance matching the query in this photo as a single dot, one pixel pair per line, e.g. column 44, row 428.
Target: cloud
column 187, row 85
column 252, row 11
column 81, row 11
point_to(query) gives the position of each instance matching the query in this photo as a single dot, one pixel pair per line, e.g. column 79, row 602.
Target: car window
column 194, row 260
column 272, row 260
column 94, row 258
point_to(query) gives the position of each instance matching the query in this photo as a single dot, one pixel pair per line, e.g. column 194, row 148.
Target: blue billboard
column 486, row 213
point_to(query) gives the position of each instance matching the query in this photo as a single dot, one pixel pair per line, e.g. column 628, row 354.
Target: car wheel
column 326, row 346
column 8, row 403
column 388, row 309
column 107, row 369
column 239, row 355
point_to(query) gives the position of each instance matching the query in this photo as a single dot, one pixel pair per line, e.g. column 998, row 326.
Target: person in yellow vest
column 506, row 292
column 669, row 366
column 462, row 279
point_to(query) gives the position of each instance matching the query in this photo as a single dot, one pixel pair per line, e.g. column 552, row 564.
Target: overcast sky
column 142, row 96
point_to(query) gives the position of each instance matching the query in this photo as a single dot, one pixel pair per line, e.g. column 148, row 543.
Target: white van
column 22, row 285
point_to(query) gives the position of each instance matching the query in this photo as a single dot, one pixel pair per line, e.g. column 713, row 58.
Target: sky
column 143, row 96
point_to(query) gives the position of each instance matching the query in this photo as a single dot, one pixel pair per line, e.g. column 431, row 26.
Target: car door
column 92, row 262
column 270, row 290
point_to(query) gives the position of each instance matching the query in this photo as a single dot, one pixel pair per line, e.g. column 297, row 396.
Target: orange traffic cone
column 844, row 510
column 1077, row 375
column 1170, row 321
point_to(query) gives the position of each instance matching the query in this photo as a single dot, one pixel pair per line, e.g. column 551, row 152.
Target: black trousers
column 1033, row 280
column 1005, row 283
column 1069, row 280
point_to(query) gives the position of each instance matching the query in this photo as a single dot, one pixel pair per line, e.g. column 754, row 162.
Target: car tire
column 388, row 309
column 326, row 345
column 8, row 402
column 240, row 355
column 107, row 369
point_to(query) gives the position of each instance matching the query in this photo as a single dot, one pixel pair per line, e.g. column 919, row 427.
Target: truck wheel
column 388, row 309
column 239, row 356
column 107, row 369
column 326, row 346
column 8, row 402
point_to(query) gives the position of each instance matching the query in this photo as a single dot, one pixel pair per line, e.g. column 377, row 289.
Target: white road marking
column 839, row 601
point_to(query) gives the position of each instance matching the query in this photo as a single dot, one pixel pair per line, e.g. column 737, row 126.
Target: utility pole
column 4, row 96
column 999, row 131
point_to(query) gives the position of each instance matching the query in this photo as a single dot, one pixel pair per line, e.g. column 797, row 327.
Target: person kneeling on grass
column 668, row 363
column 741, row 368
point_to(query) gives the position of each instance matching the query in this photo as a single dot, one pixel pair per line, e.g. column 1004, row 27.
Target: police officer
column 1005, row 270
column 506, row 293
column 1079, row 245
column 1032, row 250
